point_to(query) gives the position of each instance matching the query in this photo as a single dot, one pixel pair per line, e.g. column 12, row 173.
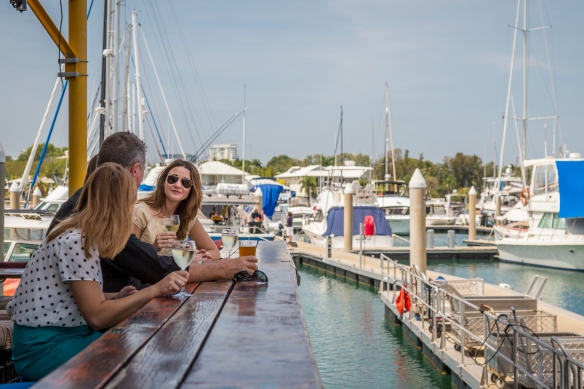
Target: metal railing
column 429, row 303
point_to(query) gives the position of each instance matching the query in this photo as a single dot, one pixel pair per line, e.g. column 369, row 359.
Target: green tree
column 52, row 151
column 282, row 163
column 308, row 184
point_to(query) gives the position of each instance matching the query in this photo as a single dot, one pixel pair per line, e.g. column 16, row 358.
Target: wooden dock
column 464, row 371
column 226, row 335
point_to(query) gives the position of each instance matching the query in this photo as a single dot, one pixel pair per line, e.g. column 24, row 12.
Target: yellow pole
column 77, row 95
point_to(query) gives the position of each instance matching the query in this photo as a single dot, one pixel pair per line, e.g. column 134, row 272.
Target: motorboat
column 438, row 213
column 393, row 199
column 553, row 233
column 329, row 219
column 508, row 188
column 301, row 210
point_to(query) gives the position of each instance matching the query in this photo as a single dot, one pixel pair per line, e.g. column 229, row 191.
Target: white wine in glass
column 183, row 252
column 229, row 238
column 171, row 223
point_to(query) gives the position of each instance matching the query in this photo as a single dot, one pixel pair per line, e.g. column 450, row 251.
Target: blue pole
column 154, row 121
column 38, row 168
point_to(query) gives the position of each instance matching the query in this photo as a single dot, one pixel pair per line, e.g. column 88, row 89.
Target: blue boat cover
column 270, row 195
column 146, row 188
column 571, row 186
column 335, row 220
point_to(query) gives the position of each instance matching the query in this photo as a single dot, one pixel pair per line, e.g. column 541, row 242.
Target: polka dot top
column 44, row 297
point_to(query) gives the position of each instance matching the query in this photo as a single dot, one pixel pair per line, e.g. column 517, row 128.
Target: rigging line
column 194, row 69
column 552, row 74
column 155, row 125
column 542, row 76
column 154, row 140
column 181, row 85
column 59, row 45
column 160, row 39
column 217, row 133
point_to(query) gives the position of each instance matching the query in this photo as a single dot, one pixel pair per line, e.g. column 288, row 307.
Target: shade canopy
column 571, row 186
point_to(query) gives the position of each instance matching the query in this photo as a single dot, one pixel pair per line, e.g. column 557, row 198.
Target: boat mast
column 116, row 61
column 138, row 84
column 125, row 112
column 103, row 74
column 391, row 136
column 243, row 140
column 372, row 150
column 525, row 31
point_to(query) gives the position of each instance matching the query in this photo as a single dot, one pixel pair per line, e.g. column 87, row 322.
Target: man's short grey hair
column 123, row 148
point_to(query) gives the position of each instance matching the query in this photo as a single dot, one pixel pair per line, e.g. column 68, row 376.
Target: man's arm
column 223, row 269
column 138, row 260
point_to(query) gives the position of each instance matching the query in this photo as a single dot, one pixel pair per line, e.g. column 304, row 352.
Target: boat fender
column 524, row 196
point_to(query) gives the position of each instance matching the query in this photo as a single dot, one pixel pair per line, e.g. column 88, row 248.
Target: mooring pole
column 472, row 214
column 418, row 221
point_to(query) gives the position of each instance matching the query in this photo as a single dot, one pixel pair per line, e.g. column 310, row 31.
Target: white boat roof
column 17, row 221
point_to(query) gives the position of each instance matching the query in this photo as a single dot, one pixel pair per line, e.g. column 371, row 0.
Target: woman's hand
column 125, row 292
column 164, row 240
column 171, row 283
column 203, row 255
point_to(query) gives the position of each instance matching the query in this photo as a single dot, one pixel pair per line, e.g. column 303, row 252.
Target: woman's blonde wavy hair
column 186, row 209
column 104, row 211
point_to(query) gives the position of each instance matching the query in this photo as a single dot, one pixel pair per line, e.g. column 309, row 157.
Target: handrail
column 420, row 289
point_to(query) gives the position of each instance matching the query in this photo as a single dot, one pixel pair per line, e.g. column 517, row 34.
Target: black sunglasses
column 258, row 276
column 173, row 179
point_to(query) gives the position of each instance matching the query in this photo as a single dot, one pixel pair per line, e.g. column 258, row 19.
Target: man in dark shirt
column 139, row 260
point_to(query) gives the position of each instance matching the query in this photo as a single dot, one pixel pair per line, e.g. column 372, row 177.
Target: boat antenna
column 243, row 141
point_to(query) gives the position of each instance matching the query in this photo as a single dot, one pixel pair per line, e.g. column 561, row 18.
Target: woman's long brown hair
column 186, row 209
column 104, row 211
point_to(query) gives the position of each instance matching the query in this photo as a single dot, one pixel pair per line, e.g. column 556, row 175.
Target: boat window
column 6, row 247
column 397, row 211
column 299, row 202
column 319, row 216
column 545, row 179
column 22, row 252
column 551, row 220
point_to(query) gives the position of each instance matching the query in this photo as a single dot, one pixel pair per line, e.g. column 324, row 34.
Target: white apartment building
column 224, row 151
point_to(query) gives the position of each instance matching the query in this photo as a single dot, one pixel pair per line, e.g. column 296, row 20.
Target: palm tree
column 307, row 184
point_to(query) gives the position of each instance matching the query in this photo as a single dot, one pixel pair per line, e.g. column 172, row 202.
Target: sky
column 447, row 64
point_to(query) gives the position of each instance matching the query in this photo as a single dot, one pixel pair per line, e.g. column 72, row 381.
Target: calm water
column 354, row 345
column 564, row 288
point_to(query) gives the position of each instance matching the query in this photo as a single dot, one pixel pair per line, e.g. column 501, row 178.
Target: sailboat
column 393, row 196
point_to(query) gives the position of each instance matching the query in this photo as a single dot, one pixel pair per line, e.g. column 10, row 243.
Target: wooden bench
column 225, row 335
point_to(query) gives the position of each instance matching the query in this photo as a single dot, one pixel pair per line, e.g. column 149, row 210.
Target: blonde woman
column 179, row 191
column 59, row 307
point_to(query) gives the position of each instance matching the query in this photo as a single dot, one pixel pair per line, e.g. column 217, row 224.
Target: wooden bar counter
column 226, row 335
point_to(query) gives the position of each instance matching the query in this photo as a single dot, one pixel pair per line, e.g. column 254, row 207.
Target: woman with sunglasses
column 178, row 192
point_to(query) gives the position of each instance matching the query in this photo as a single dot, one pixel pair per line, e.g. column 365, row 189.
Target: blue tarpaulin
column 571, row 186
column 335, row 220
column 270, row 195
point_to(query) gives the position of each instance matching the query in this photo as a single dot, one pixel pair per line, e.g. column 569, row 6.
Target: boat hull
column 559, row 255
column 338, row 242
column 399, row 226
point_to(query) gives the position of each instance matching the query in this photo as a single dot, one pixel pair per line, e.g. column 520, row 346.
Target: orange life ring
column 403, row 302
column 524, row 196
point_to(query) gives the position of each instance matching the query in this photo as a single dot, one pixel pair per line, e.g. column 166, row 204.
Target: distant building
column 224, row 151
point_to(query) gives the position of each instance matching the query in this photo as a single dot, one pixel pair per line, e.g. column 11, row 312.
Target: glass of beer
column 171, row 223
column 247, row 247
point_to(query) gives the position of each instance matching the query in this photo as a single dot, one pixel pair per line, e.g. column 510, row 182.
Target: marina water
column 354, row 345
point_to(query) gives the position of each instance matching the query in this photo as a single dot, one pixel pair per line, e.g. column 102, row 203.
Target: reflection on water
column 441, row 239
column 564, row 288
column 354, row 345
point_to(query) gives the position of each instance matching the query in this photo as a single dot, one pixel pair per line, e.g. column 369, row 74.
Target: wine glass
column 229, row 238
column 171, row 223
column 183, row 252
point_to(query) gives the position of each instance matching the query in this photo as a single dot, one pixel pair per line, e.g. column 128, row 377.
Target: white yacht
column 446, row 211
column 301, row 210
column 508, row 188
column 329, row 219
column 555, row 217
column 392, row 198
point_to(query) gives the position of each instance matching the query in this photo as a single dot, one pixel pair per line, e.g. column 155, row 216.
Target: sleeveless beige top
column 151, row 225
